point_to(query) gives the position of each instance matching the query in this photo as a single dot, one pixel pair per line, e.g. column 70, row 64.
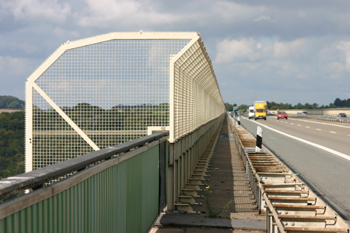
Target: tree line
column 10, row 102
column 89, row 117
column 11, row 144
column 338, row 103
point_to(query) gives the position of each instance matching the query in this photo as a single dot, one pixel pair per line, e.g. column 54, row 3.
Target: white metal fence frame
column 33, row 87
column 195, row 97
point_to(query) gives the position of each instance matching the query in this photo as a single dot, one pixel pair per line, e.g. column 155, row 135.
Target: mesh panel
column 197, row 97
column 53, row 139
column 112, row 91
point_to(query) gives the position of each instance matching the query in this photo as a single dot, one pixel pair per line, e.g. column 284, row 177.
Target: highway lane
column 327, row 174
column 333, row 136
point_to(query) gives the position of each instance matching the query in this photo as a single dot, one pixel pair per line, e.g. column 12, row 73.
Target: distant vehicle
column 268, row 113
column 342, row 115
column 260, row 110
column 251, row 112
column 302, row 113
column 282, row 115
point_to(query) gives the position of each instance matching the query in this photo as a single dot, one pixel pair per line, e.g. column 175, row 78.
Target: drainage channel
column 290, row 205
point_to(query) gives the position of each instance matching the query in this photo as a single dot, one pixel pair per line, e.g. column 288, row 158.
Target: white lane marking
column 307, row 127
column 332, row 132
column 298, row 125
column 343, row 126
column 344, row 156
column 319, row 129
column 292, row 123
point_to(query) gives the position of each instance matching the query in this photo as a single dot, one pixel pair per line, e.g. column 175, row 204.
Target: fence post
column 171, row 181
column 258, row 139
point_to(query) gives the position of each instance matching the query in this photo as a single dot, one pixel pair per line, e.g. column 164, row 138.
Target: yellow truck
column 260, row 109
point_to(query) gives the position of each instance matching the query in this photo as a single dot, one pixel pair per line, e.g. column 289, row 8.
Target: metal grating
column 99, row 95
column 196, row 95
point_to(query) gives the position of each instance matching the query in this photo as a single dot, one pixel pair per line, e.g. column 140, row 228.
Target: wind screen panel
column 53, row 138
column 112, row 90
column 197, row 97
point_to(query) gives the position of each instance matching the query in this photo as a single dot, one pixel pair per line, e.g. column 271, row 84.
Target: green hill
column 10, row 102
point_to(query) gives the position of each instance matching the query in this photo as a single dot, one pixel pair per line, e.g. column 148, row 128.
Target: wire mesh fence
column 196, row 94
column 109, row 89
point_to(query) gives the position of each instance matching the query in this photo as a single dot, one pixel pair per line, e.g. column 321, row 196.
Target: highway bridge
column 120, row 126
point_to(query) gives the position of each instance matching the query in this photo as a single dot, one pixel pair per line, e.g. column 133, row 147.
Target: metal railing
column 184, row 155
column 254, row 183
column 117, row 189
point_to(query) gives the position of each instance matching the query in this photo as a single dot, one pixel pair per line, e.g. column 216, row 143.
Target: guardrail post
column 171, row 183
column 258, row 139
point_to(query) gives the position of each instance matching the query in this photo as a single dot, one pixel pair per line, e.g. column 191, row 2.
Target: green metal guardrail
column 107, row 193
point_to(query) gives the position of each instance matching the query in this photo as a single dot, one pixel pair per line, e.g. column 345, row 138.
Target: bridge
column 118, row 127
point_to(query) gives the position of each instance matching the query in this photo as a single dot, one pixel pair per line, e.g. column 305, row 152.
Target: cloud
column 237, row 50
column 289, row 49
column 248, row 49
column 51, row 10
column 17, row 65
column 301, row 65
column 344, row 46
column 14, row 72
column 109, row 13
column 311, row 50
column 231, row 11
column 295, row 45
column 263, row 18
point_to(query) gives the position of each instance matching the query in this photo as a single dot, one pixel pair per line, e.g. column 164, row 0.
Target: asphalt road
column 325, row 170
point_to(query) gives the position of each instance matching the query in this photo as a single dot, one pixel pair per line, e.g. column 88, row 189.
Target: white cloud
column 14, row 72
column 17, row 66
column 289, row 49
column 263, row 18
column 345, row 47
column 231, row 11
column 62, row 32
column 237, row 50
column 282, row 45
column 248, row 49
column 109, row 13
column 51, row 10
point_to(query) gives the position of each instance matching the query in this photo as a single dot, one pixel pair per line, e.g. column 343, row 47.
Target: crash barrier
column 289, row 204
column 117, row 189
column 323, row 118
column 189, row 163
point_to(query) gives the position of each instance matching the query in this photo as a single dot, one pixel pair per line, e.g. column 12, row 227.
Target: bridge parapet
column 116, row 189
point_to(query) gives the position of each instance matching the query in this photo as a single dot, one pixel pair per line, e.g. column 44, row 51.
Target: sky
column 283, row 51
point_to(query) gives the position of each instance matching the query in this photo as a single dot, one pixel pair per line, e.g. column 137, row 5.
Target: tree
column 229, row 107
column 11, row 144
column 243, row 107
column 347, row 103
column 299, row 106
column 338, row 102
